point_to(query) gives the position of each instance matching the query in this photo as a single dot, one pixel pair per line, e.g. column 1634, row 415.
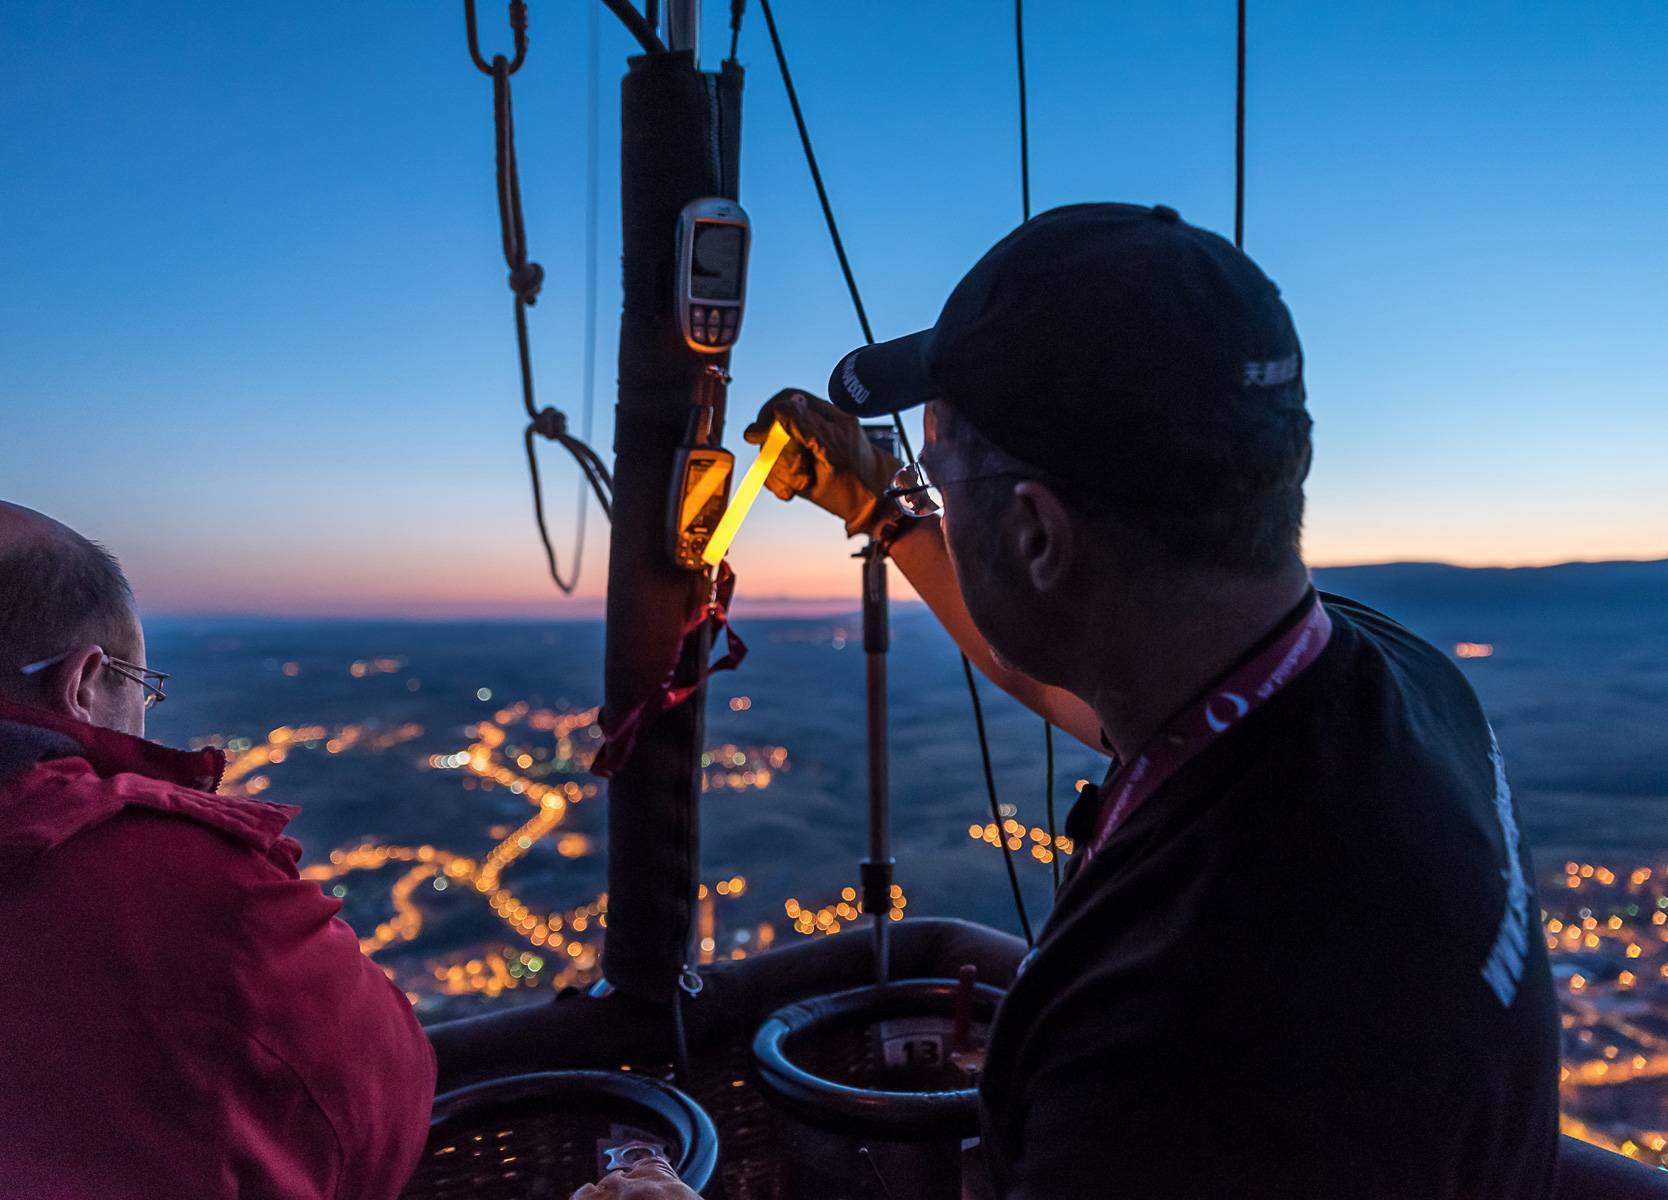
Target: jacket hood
column 59, row 776
column 29, row 735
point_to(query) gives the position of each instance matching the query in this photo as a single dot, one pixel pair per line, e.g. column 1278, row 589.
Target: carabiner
column 518, row 26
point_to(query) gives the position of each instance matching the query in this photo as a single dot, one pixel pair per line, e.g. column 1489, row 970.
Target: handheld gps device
column 700, row 488
column 713, row 240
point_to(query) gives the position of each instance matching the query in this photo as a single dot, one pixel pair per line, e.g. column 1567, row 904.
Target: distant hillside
column 1503, row 590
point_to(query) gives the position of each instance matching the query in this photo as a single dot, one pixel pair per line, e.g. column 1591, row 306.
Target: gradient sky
column 254, row 332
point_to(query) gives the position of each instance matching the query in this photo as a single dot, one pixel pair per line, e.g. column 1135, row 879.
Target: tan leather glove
column 829, row 461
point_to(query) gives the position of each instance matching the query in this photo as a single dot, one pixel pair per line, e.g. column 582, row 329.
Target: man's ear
column 75, row 684
column 1045, row 536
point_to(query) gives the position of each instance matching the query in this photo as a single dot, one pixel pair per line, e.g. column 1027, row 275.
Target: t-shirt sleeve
column 346, row 1030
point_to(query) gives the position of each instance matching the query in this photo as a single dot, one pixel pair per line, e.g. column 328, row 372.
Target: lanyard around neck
column 1217, row 710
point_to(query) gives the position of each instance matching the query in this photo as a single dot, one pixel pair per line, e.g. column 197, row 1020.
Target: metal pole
column 877, row 868
column 683, row 27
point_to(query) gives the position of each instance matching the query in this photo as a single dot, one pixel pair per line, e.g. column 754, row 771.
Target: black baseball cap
column 1119, row 350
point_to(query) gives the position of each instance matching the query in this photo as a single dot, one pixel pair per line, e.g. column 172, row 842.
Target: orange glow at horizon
column 791, row 554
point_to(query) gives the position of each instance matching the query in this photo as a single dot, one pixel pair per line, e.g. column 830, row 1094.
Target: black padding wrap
column 580, row 1030
column 680, row 140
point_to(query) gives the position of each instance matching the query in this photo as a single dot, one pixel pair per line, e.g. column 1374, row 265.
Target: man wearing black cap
column 1297, row 953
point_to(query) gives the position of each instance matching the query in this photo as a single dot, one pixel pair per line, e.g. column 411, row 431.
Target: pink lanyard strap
column 1202, row 722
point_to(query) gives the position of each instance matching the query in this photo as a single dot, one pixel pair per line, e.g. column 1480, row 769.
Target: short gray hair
column 57, row 591
column 1255, row 537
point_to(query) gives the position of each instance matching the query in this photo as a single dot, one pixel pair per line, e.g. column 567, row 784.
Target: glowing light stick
column 746, row 492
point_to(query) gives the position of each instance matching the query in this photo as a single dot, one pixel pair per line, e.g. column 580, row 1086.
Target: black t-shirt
column 1310, row 965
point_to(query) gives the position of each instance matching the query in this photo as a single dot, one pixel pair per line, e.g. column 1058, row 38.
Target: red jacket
column 180, row 1015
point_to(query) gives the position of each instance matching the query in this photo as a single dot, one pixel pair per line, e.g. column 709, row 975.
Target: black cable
column 816, row 173
column 1025, row 209
column 538, row 513
column 1024, row 116
column 995, row 808
column 1048, row 799
column 680, row 1044
column 636, row 25
column 737, row 8
column 897, row 421
column 868, row 1157
column 588, row 374
column 1239, row 136
column 827, row 209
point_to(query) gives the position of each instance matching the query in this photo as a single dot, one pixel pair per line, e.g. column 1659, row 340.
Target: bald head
column 60, row 594
column 18, row 524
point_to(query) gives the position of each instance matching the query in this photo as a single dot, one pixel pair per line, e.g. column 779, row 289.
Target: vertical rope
column 1024, row 116
column 1025, row 209
column 1048, row 794
column 588, row 376
column 827, row 208
column 996, row 808
column 1239, row 136
column 737, row 7
column 903, row 437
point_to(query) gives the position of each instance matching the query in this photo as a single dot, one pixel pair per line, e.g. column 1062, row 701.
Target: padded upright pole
column 680, row 140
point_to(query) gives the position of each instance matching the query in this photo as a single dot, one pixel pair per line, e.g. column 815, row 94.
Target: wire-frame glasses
column 145, row 677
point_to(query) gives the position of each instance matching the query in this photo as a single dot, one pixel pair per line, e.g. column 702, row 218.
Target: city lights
column 1605, row 925
column 1605, row 933
column 541, row 756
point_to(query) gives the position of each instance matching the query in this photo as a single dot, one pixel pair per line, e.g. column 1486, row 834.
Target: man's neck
column 1144, row 678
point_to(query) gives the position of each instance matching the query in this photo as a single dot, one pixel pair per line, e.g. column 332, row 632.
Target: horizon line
column 777, row 607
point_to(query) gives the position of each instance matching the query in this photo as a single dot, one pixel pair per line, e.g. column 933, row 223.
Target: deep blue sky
column 254, row 332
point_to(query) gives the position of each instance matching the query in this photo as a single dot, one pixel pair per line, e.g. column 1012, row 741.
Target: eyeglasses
column 146, row 678
column 921, row 497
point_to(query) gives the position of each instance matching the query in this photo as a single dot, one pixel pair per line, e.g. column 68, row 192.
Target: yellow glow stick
column 746, row 492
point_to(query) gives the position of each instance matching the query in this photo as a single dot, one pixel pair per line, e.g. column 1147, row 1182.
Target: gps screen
column 715, row 273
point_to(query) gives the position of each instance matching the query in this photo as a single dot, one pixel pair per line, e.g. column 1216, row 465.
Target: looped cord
column 518, row 27
column 550, row 424
column 525, row 280
column 525, row 276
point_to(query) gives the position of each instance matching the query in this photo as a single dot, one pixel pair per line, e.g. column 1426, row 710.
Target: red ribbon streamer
column 619, row 741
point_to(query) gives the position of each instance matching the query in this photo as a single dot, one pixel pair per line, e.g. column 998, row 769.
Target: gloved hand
column 829, row 461
column 651, row 1179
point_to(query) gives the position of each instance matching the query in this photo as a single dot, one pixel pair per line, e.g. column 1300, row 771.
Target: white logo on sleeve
column 1504, row 968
